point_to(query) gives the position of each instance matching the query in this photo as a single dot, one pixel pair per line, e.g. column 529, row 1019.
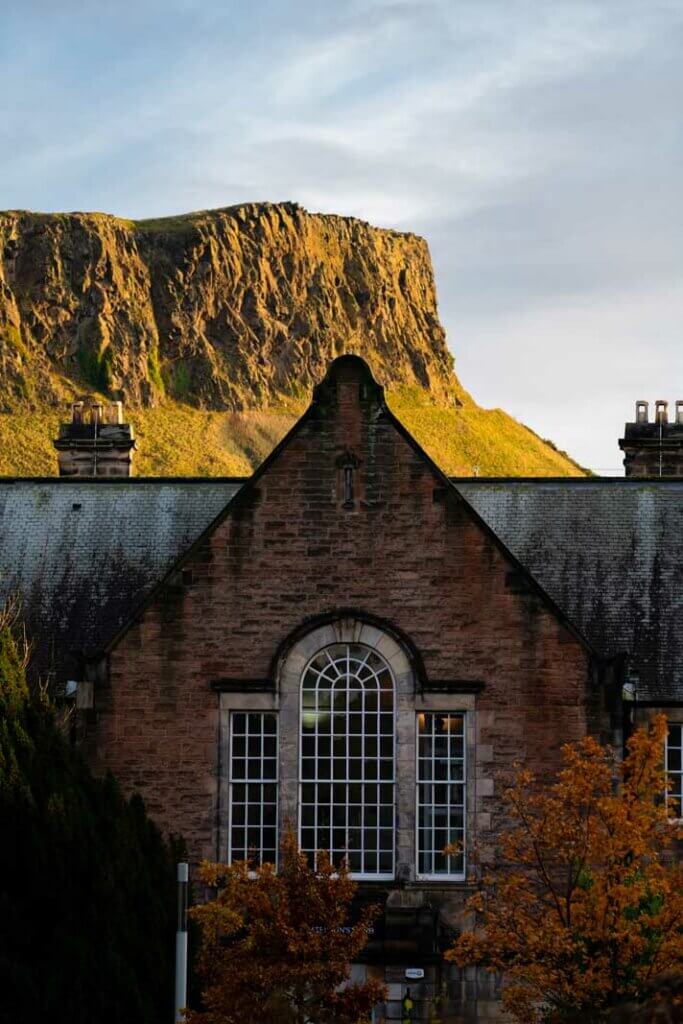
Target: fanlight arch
column 347, row 758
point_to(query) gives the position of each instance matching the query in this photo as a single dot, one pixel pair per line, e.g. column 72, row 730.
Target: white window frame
column 232, row 781
column 678, row 772
column 377, row 876
column 453, row 876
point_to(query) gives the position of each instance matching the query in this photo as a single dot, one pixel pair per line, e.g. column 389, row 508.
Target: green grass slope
column 174, row 439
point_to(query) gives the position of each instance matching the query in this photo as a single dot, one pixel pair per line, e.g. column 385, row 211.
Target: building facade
column 353, row 646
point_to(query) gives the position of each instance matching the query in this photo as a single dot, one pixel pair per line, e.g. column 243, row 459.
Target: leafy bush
column 96, row 367
column 277, row 946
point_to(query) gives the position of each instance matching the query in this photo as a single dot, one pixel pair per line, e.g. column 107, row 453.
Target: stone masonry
column 348, row 530
column 96, row 442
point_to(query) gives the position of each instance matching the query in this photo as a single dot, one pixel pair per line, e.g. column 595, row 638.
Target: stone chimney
column 654, row 448
column 96, row 442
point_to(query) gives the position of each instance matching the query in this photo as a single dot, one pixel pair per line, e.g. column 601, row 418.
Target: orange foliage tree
column 277, row 945
column 585, row 905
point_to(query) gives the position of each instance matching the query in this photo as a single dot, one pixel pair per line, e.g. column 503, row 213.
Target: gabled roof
column 82, row 553
column 607, row 554
column 343, row 371
column 610, row 553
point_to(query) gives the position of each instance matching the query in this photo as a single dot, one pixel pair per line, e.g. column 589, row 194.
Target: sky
column 537, row 146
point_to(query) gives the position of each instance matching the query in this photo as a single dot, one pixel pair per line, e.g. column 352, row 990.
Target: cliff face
column 226, row 309
column 214, row 327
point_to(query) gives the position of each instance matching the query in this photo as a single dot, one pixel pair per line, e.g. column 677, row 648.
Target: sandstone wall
column 407, row 551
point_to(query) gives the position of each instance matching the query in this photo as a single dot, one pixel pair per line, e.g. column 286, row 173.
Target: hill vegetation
column 176, row 439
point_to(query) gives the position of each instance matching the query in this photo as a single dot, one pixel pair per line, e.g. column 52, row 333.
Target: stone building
column 354, row 643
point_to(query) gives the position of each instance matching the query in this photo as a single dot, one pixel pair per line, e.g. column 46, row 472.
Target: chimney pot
column 679, row 413
column 642, row 412
column 661, row 411
column 77, row 412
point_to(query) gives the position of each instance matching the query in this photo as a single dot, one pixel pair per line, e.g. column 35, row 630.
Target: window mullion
column 355, row 774
column 248, row 778
column 440, row 798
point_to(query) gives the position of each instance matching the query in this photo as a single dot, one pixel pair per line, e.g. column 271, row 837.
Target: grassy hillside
column 469, row 440
column 174, row 439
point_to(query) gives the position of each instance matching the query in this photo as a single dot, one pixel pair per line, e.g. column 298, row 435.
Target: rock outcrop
column 213, row 329
column 225, row 309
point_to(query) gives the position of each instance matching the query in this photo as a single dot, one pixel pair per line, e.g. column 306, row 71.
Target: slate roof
column 610, row 554
column 84, row 553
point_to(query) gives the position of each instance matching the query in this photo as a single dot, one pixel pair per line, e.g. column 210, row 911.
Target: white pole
column 181, row 945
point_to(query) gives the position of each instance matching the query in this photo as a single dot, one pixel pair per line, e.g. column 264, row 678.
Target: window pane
column 440, row 792
column 339, row 746
column 307, row 815
column 254, row 804
column 355, row 816
column 386, row 861
column 308, row 746
column 356, row 701
column 360, row 754
column 674, row 769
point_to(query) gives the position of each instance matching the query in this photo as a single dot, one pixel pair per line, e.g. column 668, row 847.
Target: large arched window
column 347, row 759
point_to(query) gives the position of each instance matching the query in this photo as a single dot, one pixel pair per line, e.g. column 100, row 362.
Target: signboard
column 414, row 973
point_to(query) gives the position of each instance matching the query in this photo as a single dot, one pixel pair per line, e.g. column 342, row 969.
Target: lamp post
column 181, row 944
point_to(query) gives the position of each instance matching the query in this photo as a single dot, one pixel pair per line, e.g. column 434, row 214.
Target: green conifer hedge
column 87, row 886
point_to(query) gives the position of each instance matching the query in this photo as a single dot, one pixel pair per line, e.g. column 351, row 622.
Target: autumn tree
column 585, row 906
column 276, row 945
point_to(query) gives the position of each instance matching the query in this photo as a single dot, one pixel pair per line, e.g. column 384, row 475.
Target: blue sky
column 538, row 146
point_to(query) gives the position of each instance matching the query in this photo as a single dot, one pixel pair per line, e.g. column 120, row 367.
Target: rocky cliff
column 213, row 328
column 225, row 309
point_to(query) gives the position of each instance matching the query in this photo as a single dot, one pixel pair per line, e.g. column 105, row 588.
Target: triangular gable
column 353, row 372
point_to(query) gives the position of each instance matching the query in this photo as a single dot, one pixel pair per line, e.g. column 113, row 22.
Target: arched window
column 347, row 759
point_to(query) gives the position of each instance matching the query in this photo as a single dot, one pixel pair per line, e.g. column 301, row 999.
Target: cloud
column 536, row 145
